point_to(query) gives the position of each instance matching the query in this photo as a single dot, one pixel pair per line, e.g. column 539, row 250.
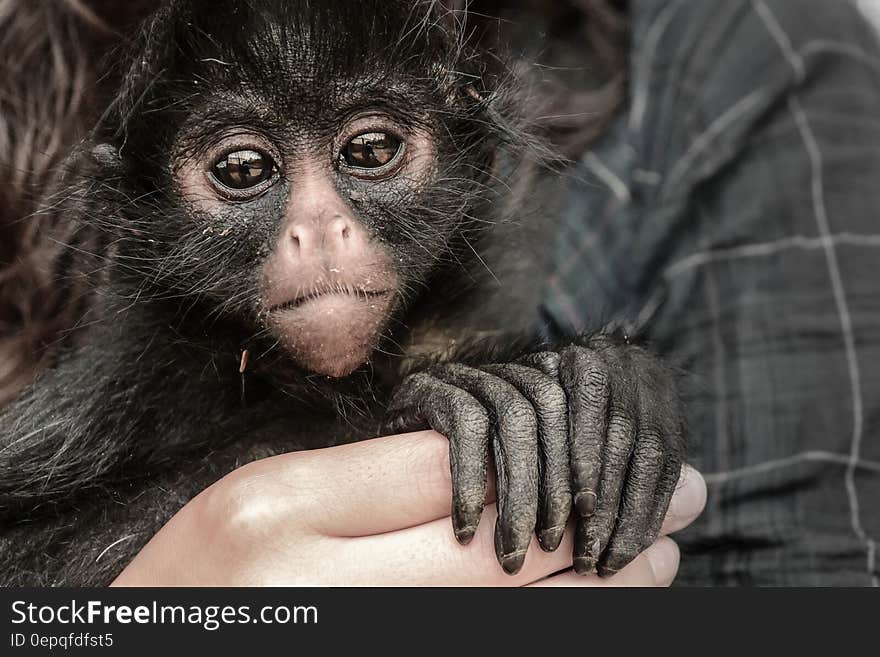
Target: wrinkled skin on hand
column 594, row 428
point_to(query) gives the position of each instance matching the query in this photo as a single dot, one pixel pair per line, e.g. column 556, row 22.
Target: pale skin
column 374, row 513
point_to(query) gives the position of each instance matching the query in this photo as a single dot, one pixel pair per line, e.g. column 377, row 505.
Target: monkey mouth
column 331, row 330
column 362, row 295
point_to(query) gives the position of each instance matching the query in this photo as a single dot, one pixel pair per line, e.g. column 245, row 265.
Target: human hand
column 369, row 513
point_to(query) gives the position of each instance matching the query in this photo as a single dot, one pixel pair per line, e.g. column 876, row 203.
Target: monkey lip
column 363, row 295
column 334, row 331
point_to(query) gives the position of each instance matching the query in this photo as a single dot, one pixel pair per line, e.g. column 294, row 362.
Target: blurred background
column 872, row 8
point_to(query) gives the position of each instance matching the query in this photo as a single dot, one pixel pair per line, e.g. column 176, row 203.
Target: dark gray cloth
column 732, row 215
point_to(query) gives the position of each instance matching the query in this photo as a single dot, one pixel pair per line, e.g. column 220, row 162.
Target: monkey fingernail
column 465, row 520
column 585, row 503
column 512, row 563
column 606, row 571
column 510, row 552
column 549, row 539
column 584, row 565
column 465, row 535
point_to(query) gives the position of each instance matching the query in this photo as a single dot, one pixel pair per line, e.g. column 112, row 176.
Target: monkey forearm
column 101, row 410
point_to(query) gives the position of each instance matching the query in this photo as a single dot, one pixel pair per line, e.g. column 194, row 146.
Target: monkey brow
column 225, row 109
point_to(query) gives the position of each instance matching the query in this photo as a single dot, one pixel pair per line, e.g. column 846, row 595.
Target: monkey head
column 302, row 168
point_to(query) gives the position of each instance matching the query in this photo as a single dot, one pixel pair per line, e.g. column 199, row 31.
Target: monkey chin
column 332, row 334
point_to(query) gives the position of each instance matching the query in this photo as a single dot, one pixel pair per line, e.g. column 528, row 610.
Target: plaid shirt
column 732, row 216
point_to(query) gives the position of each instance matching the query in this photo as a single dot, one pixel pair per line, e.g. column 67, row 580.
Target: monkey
column 319, row 222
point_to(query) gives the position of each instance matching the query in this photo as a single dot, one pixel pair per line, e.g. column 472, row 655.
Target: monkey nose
column 309, row 239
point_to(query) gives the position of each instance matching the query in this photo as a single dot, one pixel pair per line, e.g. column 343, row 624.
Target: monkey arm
column 131, row 397
column 595, row 422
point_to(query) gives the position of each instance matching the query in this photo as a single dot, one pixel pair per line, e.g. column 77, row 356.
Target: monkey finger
column 594, row 532
column 673, row 445
column 646, row 468
column 460, row 418
column 548, row 399
column 584, row 377
column 515, row 448
column 456, row 414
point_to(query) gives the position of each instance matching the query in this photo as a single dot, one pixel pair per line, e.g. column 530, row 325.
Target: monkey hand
column 595, row 425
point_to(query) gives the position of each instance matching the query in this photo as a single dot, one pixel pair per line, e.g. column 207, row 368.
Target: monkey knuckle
column 551, row 397
column 399, row 400
column 615, row 457
column 585, row 471
column 596, row 380
column 587, row 398
column 469, row 417
column 575, row 359
column 410, row 387
column 585, row 373
column 544, row 361
column 650, row 446
column 621, row 422
column 418, row 379
column 558, row 500
column 521, row 414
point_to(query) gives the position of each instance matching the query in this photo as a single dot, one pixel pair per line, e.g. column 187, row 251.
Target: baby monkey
column 320, row 221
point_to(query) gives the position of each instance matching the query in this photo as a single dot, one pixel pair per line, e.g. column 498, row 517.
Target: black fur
column 104, row 448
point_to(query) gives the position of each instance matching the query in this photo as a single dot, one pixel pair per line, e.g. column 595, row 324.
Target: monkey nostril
column 339, row 230
column 299, row 239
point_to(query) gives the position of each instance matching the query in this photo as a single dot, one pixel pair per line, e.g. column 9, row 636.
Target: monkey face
column 319, row 170
column 324, row 225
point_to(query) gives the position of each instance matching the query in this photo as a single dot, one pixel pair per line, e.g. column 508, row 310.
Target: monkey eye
column 243, row 169
column 370, row 150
